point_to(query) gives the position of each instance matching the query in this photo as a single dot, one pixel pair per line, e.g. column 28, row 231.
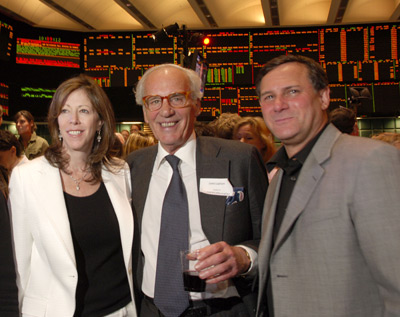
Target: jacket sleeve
column 23, row 240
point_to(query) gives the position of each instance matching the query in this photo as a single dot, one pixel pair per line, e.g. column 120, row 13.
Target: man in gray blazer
column 330, row 241
column 225, row 183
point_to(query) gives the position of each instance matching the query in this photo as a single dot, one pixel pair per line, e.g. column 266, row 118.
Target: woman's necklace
column 77, row 181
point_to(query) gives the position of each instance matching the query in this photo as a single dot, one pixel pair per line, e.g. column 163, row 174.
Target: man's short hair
column 344, row 119
column 316, row 73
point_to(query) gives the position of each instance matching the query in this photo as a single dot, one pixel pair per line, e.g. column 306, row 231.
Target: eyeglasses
column 175, row 100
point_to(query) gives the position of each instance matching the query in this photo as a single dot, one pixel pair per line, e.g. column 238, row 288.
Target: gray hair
column 192, row 76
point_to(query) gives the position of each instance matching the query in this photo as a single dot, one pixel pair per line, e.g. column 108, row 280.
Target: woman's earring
column 98, row 137
column 60, row 136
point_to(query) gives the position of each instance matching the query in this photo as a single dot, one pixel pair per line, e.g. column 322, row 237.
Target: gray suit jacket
column 338, row 249
column 239, row 223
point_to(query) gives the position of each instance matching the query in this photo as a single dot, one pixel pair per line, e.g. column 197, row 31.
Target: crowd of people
column 94, row 223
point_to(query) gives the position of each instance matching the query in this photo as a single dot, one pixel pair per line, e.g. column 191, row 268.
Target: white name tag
column 216, row 186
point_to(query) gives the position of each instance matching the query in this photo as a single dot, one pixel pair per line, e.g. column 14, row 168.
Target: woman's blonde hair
column 138, row 140
column 260, row 129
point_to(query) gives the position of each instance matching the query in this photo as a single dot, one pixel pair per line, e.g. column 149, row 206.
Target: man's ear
column 198, row 108
column 325, row 98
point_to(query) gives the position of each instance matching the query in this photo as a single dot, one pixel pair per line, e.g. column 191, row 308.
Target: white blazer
column 46, row 268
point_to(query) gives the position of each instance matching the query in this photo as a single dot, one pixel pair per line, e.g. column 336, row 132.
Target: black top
column 103, row 285
column 8, row 286
column 291, row 170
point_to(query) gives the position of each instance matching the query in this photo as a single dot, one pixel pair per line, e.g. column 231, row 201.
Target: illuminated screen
column 4, row 97
column 47, row 51
column 6, row 36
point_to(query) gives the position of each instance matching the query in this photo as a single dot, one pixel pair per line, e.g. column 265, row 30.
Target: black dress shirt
column 291, row 171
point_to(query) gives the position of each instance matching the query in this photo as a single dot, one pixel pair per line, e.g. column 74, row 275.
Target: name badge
column 216, row 186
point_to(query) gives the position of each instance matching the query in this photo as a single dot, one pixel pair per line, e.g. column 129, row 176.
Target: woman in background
column 8, row 286
column 252, row 130
column 138, row 140
column 71, row 213
column 388, row 137
column 32, row 144
column 11, row 153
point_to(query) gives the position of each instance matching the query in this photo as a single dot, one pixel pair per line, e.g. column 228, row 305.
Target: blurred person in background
column 203, row 129
column 223, row 126
column 345, row 120
column 119, row 144
column 137, row 141
column 11, row 153
column 125, row 134
column 388, row 137
column 32, row 144
column 252, row 130
column 135, row 128
column 71, row 213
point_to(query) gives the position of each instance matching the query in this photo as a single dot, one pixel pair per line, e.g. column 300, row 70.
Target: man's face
column 292, row 109
column 171, row 126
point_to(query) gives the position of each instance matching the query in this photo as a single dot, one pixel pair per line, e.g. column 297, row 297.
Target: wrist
column 250, row 262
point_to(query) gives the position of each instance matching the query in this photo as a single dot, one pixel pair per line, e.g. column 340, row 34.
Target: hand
column 219, row 262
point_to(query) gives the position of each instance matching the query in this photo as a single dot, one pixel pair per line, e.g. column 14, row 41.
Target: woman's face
column 78, row 123
column 246, row 134
column 24, row 126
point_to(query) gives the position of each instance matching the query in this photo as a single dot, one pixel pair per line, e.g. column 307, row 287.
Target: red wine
column 192, row 282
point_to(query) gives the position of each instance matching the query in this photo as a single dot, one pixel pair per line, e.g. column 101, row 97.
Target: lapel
column 212, row 207
column 141, row 175
column 271, row 200
column 310, row 175
column 118, row 190
column 55, row 208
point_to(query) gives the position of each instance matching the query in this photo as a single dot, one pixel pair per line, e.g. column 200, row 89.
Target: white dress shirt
column 151, row 221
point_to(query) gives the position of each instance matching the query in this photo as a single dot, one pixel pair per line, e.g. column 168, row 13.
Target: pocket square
column 237, row 196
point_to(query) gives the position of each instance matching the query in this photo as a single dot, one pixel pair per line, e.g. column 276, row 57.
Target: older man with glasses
column 216, row 211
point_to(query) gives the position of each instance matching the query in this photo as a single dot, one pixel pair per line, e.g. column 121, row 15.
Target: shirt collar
column 280, row 158
column 186, row 153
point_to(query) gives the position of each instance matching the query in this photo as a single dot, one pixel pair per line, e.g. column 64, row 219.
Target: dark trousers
column 218, row 307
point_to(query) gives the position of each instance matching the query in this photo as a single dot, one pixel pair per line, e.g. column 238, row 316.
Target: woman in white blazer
column 71, row 214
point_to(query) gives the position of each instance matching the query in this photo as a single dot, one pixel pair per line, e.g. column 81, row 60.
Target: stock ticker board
column 353, row 56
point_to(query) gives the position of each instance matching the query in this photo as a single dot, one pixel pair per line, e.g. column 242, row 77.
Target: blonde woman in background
column 389, row 137
column 252, row 130
column 138, row 140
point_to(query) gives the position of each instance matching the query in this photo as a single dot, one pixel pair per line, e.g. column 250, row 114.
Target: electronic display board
column 47, row 51
column 352, row 55
column 107, row 50
column 6, row 38
column 4, row 97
